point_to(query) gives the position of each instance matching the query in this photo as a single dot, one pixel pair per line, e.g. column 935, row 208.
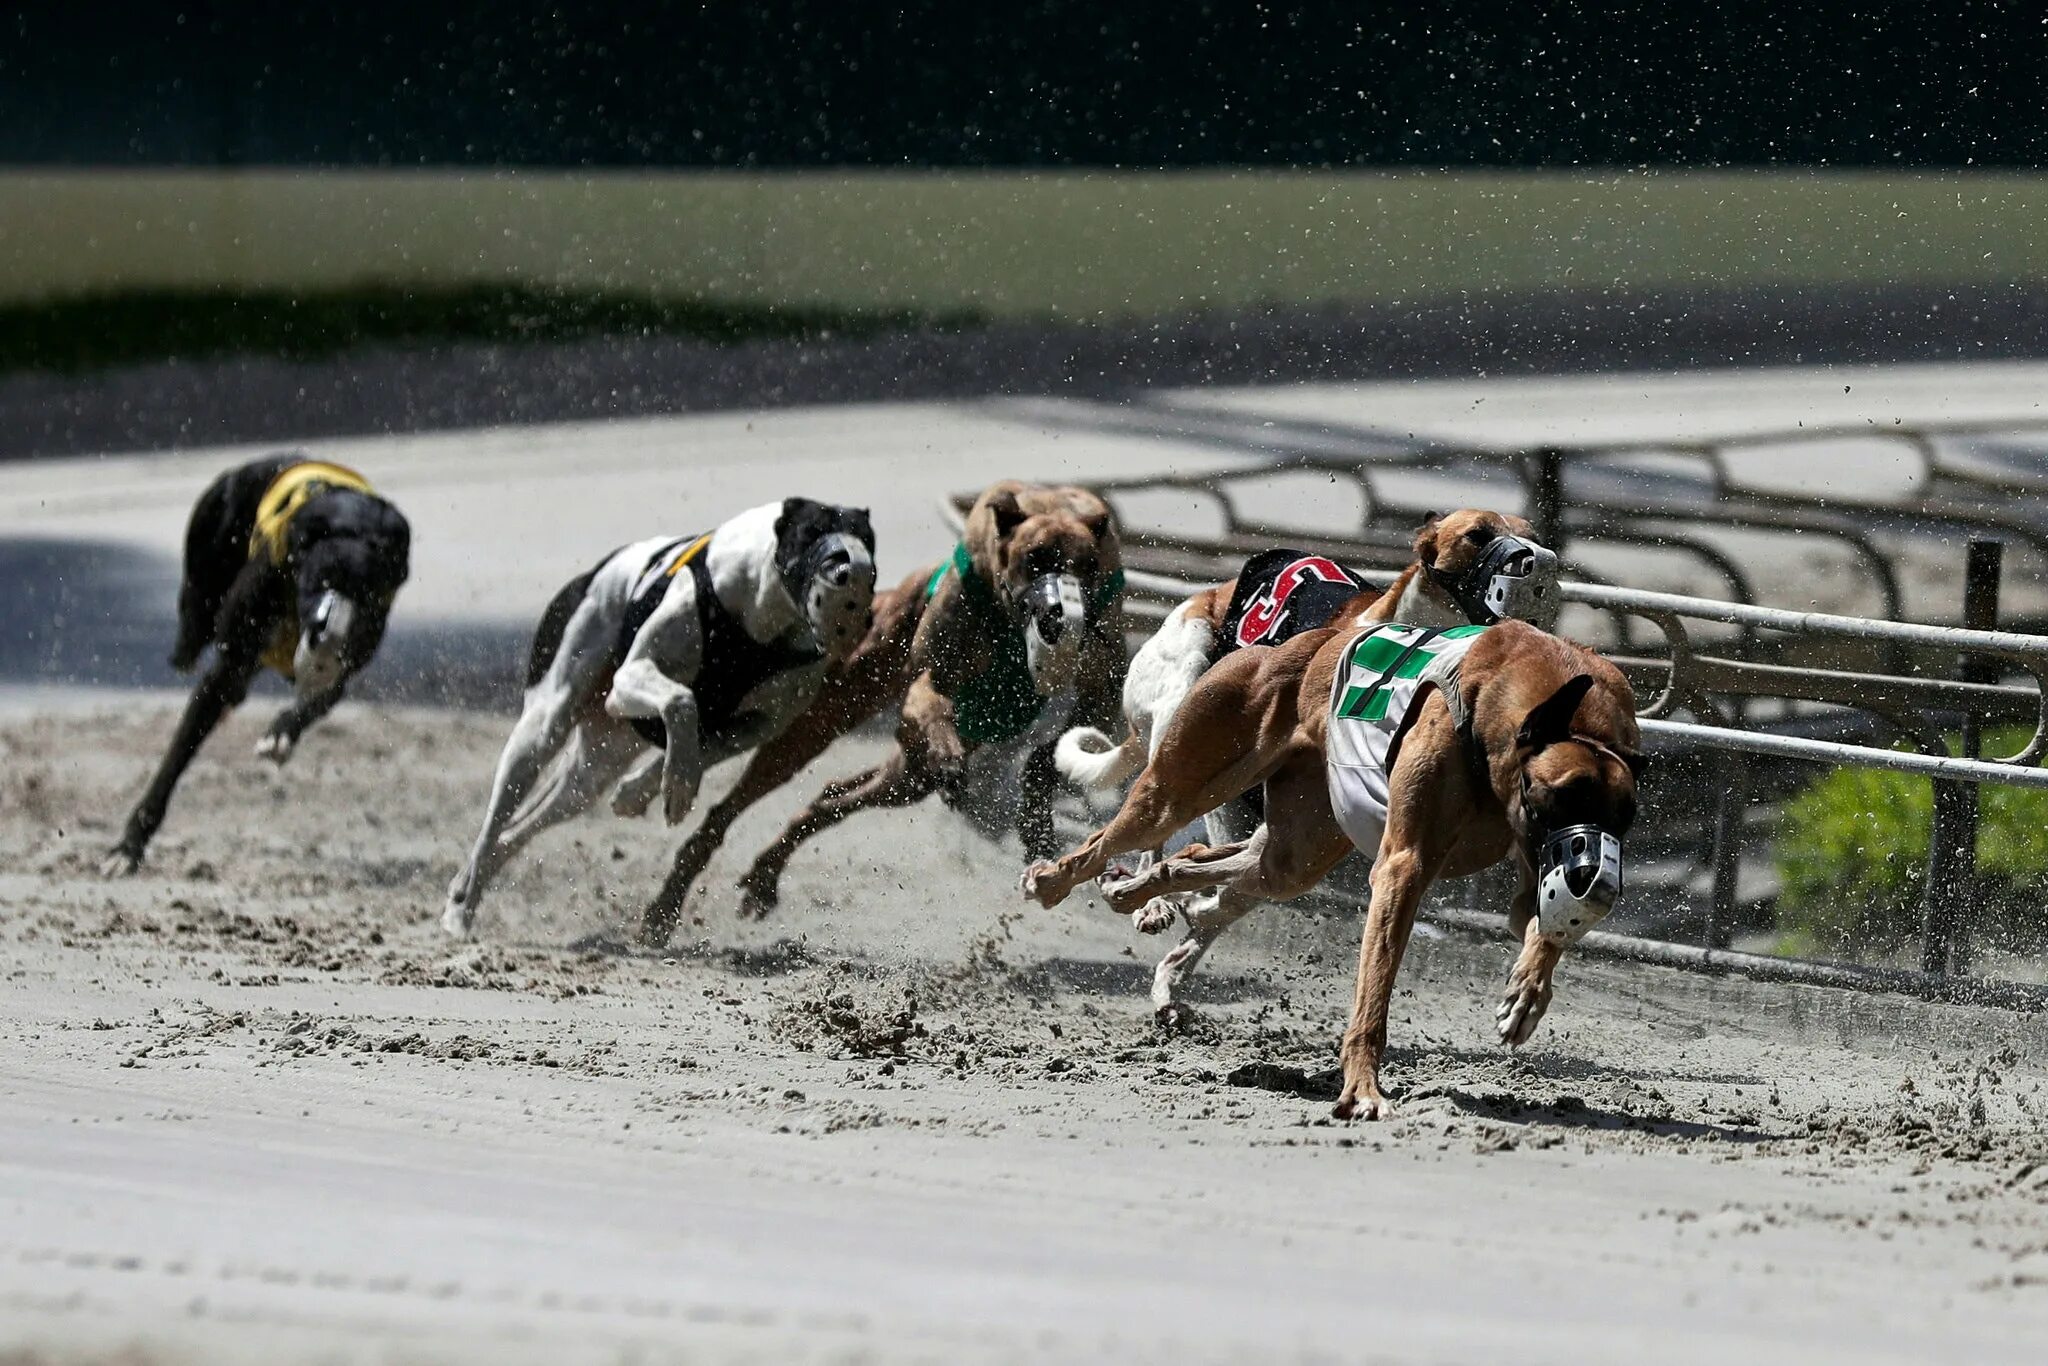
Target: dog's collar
column 982, row 593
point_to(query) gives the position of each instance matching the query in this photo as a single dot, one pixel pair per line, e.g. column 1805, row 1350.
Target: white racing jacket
column 1383, row 675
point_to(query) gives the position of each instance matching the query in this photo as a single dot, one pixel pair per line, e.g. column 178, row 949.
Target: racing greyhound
column 292, row 564
column 1442, row 751
column 701, row 647
column 1470, row 566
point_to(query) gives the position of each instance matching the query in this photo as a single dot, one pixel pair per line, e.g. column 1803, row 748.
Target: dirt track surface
column 253, row 1107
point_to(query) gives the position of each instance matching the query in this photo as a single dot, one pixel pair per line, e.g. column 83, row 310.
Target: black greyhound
column 290, row 563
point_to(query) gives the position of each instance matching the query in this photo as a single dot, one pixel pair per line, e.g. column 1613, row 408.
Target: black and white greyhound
column 290, row 563
column 702, row 647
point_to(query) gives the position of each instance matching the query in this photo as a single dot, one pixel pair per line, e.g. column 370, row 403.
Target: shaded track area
column 439, row 386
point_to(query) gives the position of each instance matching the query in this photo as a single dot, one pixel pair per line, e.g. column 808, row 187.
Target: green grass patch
column 96, row 332
column 1852, row 862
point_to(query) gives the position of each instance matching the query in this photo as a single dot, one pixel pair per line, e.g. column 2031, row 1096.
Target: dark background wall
column 1038, row 82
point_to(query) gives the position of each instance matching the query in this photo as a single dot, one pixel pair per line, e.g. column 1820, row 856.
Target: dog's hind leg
column 1232, row 730
column 892, row 783
column 597, row 752
column 1207, row 917
column 553, row 706
column 216, row 551
column 1158, row 804
column 536, row 737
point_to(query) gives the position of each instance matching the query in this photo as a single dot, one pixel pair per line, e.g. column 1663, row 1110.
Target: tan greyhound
column 1444, row 751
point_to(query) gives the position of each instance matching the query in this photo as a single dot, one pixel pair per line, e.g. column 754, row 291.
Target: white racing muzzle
column 839, row 591
column 1578, row 880
column 318, row 662
column 1512, row 578
column 1056, row 618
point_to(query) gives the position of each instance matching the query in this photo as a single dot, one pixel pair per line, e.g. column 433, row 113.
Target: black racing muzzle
column 1509, row 579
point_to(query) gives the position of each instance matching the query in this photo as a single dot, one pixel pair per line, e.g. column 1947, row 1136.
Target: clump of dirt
column 305, row 1035
column 854, row 1019
column 495, row 969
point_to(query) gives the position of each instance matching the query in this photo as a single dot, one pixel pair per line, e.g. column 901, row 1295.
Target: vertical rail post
column 1952, row 850
column 1729, row 805
column 1547, row 506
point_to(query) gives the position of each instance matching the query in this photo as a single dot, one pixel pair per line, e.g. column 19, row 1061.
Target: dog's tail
column 1086, row 756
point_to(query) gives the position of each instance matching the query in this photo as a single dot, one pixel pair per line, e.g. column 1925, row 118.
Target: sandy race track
column 254, row 1107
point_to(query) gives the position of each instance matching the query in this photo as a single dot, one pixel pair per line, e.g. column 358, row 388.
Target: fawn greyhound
column 1442, row 751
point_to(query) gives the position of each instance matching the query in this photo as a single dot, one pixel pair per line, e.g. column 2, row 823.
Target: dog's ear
column 856, row 523
column 1007, row 512
column 1425, row 538
column 1550, row 720
column 1639, row 765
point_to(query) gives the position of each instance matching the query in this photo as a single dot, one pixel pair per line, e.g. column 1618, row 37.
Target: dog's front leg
column 928, row 732
column 218, row 693
column 1529, row 986
column 1399, row 878
column 282, row 738
column 1039, row 785
column 642, row 691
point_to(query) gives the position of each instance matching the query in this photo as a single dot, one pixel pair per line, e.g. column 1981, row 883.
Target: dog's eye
column 1480, row 535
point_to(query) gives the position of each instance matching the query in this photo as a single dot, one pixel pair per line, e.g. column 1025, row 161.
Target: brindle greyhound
column 1505, row 741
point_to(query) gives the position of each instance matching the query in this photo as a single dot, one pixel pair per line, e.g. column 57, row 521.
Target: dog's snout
column 1052, row 625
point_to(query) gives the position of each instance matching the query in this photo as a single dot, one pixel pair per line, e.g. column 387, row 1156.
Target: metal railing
column 1889, row 672
column 1578, row 495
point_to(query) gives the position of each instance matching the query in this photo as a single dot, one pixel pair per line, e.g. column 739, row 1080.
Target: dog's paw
column 120, row 862
column 945, row 753
column 276, row 746
column 657, row 926
column 760, row 894
column 1369, row 1107
column 1040, row 882
column 1154, row 916
column 1128, row 895
column 1521, row 1007
column 1149, row 914
column 636, row 792
column 458, row 912
column 457, row 919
